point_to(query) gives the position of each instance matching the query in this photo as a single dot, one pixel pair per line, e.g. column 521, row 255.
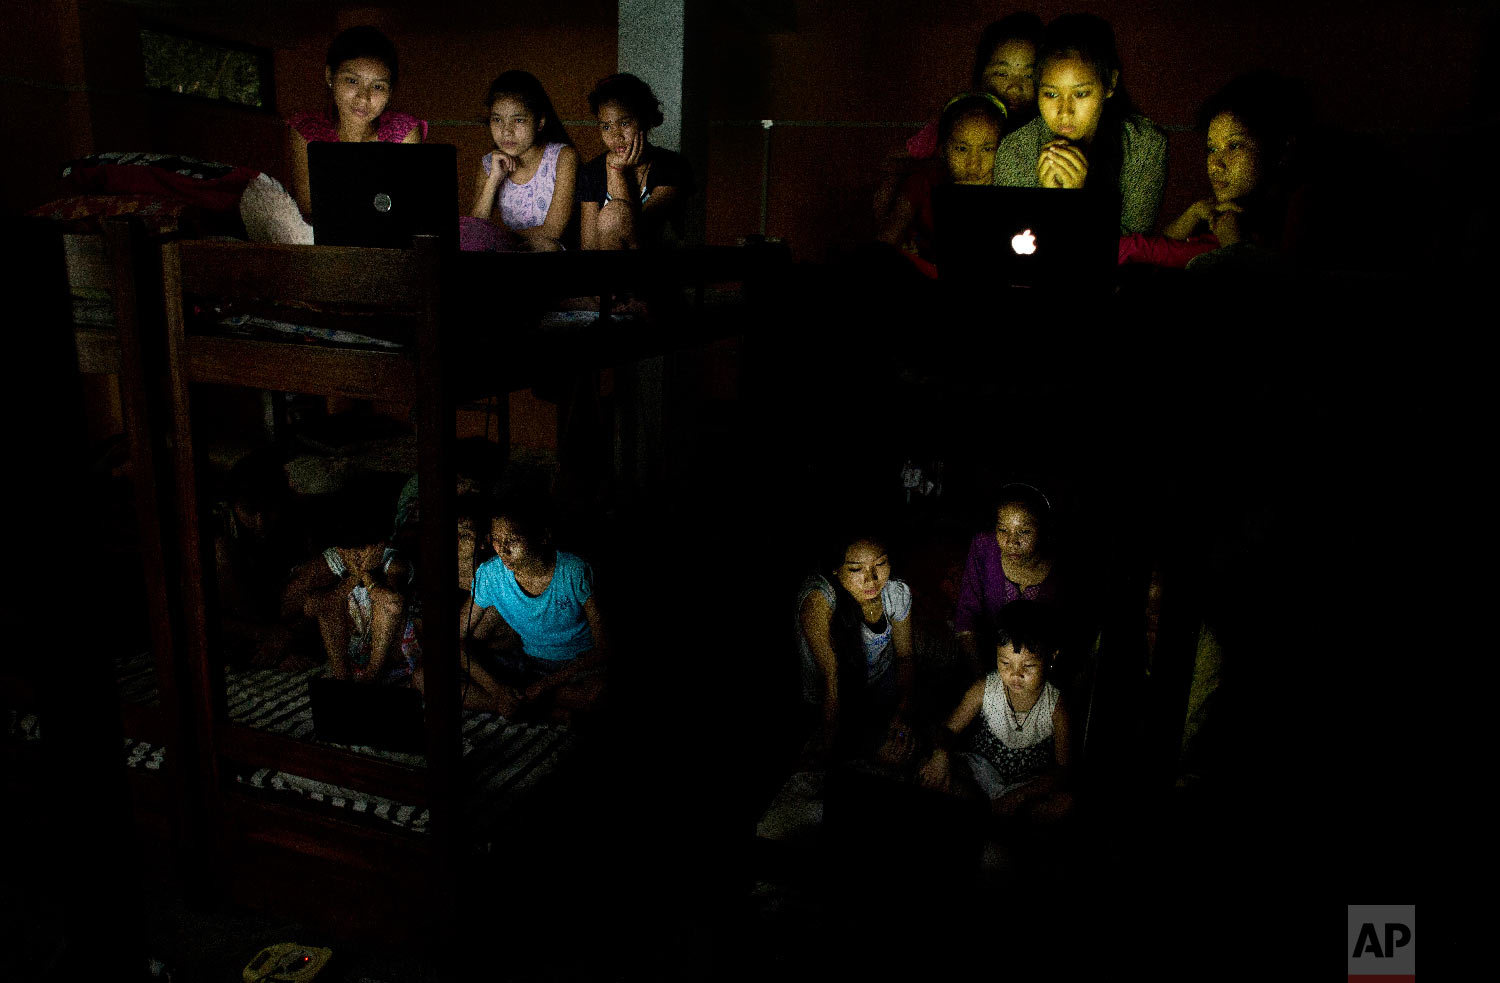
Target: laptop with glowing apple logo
column 1024, row 237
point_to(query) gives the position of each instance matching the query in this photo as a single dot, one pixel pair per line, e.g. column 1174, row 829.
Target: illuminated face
column 1071, row 98
column 1021, row 672
column 971, row 150
column 1016, row 532
column 617, row 127
column 510, row 546
column 361, row 89
column 1233, row 158
column 1011, row 76
column 865, row 570
column 512, row 126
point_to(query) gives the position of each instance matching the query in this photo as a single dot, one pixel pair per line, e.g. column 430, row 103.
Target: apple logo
column 1024, row 243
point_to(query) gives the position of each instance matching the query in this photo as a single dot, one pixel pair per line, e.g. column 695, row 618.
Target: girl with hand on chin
column 531, row 171
column 634, row 194
column 854, row 637
column 360, row 71
column 1254, row 129
column 1087, row 134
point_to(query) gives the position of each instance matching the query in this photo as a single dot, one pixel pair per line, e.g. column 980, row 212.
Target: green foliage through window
column 205, row 68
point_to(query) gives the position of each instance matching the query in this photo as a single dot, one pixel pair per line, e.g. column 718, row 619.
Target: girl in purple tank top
column 525, row 184
column 360, row 71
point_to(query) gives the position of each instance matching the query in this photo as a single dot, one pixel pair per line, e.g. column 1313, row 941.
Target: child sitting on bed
column 533, row 640
column 969, row 130
column 368, row 619
column 364, row 598
column 360, row 72
column 1016, row 756
column 1253, row 142
column 1005, row 67
column 634, row 195
column 529, row 174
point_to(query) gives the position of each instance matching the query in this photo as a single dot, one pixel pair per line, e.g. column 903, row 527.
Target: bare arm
column 896, row 225
column 1062, row 735
column 414, row 135
column 300, row 188
column 894, row 170
column 588, row 224
column 934, row 773
column 489, row 186
column 905, row 670
column 561, row 207
column 594, row 658
column 1183, row 225
column 816, row 619
column 476, row 622
column 900, row 742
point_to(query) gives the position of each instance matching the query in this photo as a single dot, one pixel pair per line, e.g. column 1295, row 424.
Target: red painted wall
column 1402, row 71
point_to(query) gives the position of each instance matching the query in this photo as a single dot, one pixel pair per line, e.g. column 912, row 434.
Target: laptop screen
column 383, row 194
column 988, row 236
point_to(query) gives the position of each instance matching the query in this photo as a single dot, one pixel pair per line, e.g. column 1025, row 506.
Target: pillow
column 270, row 214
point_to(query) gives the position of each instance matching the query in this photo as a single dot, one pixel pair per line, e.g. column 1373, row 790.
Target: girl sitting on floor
column 1254, row 138
column 530, row 172
column 970, row 129
column 1018, row 755
column 361, row 73
column 1087, row 134
column 855, row 642
column 634, row 194
column 531, row 628
column 1012, row 562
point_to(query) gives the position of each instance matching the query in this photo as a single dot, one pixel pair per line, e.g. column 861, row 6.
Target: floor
column 647, row 869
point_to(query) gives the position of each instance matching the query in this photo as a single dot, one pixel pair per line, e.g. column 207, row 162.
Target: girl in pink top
column 530, row 173
column 1005, row 67
column 360, row 70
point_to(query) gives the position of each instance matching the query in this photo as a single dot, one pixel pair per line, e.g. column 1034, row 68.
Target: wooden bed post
column 204, row 685
column 135, row 262
column 438, row 556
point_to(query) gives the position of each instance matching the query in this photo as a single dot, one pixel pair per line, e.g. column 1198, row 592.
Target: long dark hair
column 1023, row 25
column 363, row 41
column 1020, row 26
column 525, row 87
column 631, row 93
column 1091, row 40
column 848, row 615
column 1272, row 108
column 531, row 514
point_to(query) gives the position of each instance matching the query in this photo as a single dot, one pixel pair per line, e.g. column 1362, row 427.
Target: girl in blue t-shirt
column 531, row 632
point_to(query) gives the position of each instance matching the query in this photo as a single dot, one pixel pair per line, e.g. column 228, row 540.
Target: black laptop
column 987, row 236
column 367, row 714
column 383, row 194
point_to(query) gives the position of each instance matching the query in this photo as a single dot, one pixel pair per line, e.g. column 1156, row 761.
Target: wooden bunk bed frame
column 439, row 294
column 125, row 260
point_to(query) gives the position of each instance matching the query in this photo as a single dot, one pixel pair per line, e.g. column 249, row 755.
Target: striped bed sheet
column 505, row 760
